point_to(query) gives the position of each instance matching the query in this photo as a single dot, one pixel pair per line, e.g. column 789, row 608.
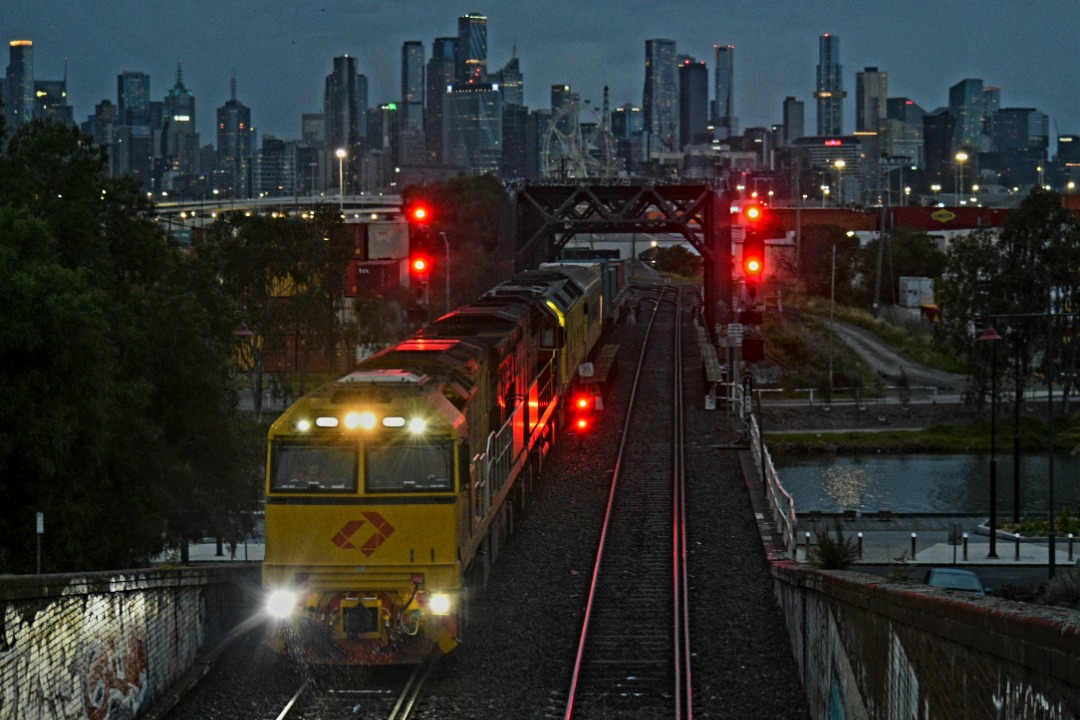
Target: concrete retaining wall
column 869, row 649
column 108, row 645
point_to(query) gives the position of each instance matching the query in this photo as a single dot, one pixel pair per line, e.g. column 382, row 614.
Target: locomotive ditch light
column 363, row 420
column 417, row 425
column 303, row 425
column 281, row 603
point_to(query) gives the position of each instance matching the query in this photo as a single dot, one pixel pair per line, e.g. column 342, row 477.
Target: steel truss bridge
column 539, row 220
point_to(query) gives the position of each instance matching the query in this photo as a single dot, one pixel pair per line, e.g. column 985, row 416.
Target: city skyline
column 281, row 53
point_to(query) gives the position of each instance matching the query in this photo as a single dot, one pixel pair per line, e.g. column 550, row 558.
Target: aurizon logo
column 381, row 531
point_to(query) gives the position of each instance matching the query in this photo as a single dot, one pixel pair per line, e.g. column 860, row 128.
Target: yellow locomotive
column 387, row 489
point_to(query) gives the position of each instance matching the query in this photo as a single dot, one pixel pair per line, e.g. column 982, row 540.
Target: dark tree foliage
column 286, row 279
column 907, row 252
column 119, row 422
column 1024, row 281
column 821, row 275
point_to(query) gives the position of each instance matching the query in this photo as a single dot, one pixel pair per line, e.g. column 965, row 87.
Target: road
column 888, row 363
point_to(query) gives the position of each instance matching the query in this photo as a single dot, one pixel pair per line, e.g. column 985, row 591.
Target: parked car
column 955, row 579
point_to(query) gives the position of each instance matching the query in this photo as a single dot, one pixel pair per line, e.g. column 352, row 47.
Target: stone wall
column 869, row 649
column 107, row 645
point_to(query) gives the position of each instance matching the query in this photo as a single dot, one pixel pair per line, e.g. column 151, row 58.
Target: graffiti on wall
column 114, row 678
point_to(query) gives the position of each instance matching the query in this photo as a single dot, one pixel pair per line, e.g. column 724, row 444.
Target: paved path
column 887, row 362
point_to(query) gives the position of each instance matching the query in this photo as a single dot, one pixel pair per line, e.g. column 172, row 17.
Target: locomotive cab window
column 313, row 468
column 409, row 467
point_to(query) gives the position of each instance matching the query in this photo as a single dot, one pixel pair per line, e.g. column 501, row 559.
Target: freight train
column 388, row 490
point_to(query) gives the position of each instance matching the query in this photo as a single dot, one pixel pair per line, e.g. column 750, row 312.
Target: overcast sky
column 281, row 50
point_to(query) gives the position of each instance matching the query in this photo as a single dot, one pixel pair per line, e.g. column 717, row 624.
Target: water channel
column 926, row 483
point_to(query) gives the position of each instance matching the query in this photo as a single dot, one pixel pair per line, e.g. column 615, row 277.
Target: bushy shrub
column 834, row 552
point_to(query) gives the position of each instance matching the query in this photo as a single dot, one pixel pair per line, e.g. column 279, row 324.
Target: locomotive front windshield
column 409, row 467
column 314, row 468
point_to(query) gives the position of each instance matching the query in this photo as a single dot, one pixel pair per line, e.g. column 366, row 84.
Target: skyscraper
column 968, row 108
column 724, row 82
column 343, row 110
column 133, row 98
column 830, row 87
column 50, row 102
column 871, row 99
column 660, row 99
column 470, row 58
column 19, row 85
column 411, row 120
column 235, row 146
column 511, row 83
column 440, row 76
column 693, row 103
column 794, row 119
column 181, row 141
column 472, row 136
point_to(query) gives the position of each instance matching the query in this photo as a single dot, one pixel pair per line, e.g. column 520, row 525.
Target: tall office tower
column 939, row 128
column 1021, row 140
column 133, row 98
column 511, row 83
column 967, row 105
column 794, row 120
column 411, row 121
column 905, row 110
column 100, row 125
column 342, row 110
column 235, row 146
column 472, row 134
column 626, row 121
column 693, row 103
column 515, row 141
column 830, row 87
column 181, row 141
column 660, row 99
column 440, row 76
column 724, row 83
column 871, row 99
column 470, row 56
column 19, row 85
column 50, row 102
column 412, row 84
column 565, row 106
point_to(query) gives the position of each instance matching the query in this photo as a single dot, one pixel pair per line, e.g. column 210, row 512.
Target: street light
column 961, row 158
column 447, row 244
column 989, row 335
column 340, row 152
column 840, row 164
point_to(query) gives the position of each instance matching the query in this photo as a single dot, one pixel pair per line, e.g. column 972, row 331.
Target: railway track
column 633, row 655
column 391, row 697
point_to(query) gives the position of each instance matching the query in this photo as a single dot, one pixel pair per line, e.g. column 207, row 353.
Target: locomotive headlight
column 281, row 603
column 364, row 420
column 417, row 425
column 439, row 604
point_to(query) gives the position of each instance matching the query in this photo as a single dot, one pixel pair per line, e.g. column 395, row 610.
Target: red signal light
column 420, row 265
column 583, row 402
column 581, row 424
column 419, row 214
column 754, row 214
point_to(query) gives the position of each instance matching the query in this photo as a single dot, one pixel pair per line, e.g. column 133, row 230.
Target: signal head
column 754, row 214
column 420, row 265
column 419, row 214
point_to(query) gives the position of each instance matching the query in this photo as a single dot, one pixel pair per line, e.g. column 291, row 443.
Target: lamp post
column 961, row 158
column 340, row 152
column 840, row 165
column 447, row 244
column 989, row 335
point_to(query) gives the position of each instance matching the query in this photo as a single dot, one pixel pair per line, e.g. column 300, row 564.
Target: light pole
column 447, row 244
column 340, row 152
column 989, row 335
column 961, row 158
column 840, row 165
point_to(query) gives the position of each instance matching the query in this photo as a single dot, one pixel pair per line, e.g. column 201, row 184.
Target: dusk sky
column 281, row 50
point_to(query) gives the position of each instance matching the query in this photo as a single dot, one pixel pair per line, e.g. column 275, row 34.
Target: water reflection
column 926, row 483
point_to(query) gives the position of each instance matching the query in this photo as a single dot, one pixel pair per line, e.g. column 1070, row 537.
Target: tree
column 285, row 277
column 117, row 413
column 1011, row 279
column 908, row 252
column 816, row 266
